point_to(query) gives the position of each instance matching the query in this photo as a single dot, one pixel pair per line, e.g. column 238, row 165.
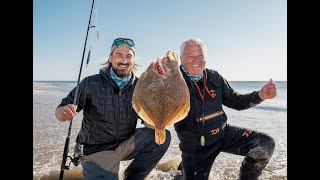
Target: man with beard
column 108, row 132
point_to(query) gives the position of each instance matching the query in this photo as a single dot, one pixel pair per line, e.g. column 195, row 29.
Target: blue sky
column 246, row 40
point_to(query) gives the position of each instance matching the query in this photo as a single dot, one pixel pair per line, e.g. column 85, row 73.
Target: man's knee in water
column 264, row 150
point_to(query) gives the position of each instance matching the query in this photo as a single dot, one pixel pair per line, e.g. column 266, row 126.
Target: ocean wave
column 272, row 108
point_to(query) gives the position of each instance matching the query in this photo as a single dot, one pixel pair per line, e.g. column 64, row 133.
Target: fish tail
column 160, row 135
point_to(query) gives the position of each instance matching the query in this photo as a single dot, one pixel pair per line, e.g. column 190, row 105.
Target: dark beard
column 120, row 73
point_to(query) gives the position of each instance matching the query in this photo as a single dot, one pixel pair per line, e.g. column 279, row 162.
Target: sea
column 270, row 116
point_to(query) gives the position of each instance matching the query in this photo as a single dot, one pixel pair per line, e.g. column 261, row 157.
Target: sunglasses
column 120, row 41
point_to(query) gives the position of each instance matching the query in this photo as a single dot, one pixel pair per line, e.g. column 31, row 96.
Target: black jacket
column 108, row 116
column 190, row 129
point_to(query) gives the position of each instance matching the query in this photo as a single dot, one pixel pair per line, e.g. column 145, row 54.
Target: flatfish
column 161, row 96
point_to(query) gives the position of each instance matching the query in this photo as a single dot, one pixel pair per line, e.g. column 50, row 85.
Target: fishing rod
column 66, row 145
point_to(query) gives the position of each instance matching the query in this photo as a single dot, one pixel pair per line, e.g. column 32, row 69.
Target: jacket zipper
column 211, row 116
column 117, row 126
column 89, row 133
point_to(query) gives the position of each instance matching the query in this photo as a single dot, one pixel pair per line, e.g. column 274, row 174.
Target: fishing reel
column 77, row 156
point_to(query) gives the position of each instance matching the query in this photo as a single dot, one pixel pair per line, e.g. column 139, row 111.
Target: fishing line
column 75, row 160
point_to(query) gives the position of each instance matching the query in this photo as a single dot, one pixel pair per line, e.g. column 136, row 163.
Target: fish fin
column 160, row 135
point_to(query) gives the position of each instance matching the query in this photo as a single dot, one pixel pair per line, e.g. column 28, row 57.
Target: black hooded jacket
column 190, row 129
column 108, row 116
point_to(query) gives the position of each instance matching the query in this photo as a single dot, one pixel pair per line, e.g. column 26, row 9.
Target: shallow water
column 269, row 117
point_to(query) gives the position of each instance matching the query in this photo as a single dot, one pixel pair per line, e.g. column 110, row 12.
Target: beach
column 49, row 134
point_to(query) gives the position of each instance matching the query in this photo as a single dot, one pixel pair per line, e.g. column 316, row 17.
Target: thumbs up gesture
column 268, row 91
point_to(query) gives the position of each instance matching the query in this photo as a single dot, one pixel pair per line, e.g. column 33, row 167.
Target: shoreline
column 37, row 91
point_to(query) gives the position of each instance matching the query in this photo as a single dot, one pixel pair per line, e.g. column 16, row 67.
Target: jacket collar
column 104, row 72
